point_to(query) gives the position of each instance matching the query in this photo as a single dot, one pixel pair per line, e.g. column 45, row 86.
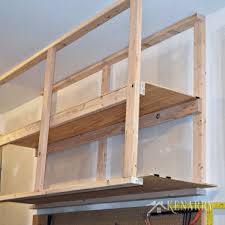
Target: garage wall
column 165, row 149
column 216, row 108
column 18, row 168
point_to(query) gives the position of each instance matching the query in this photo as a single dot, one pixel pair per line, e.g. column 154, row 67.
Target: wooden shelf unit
column 104, row 111
column 137, row 105
column 102, row 189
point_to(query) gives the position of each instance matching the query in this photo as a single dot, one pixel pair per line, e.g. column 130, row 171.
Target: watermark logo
column 173, row 206
column 159, row 207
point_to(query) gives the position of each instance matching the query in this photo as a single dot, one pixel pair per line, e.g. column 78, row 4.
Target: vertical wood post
column 102, row 148
column 199, row 120
column 105, row 87
column 133, row 90
column 45, row 117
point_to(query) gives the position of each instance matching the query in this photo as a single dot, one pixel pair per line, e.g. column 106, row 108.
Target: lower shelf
column 102, row 189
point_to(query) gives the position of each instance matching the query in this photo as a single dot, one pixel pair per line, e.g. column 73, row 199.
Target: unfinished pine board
column 130, row 153
column 147, row 42
column 148, row 120
column 199, row 120
column 102, row 143
column 102, row 189
column 96, row 114
column 45, row 119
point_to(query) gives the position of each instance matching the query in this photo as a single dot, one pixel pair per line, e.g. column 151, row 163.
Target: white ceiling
column 29, row 25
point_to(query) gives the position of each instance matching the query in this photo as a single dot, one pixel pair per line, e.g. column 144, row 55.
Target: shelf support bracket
column 45, row 117
column 133, row 90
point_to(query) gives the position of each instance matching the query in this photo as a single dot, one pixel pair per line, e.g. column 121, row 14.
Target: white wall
column 17, row 176
column 165, row 149
column 216, row 107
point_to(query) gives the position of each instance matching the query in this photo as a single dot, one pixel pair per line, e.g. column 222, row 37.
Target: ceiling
column 29, row 25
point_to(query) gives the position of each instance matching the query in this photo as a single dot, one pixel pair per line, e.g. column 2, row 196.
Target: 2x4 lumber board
column 103, row 189
column 102, row 144
column 199, row 120
column 154, row 39
column 45, row 119
column 91, row 186
column 133, row 90
column 102, row 17
column 96, row 105
column 152, row 119
column 102, row 157
column 105, row 87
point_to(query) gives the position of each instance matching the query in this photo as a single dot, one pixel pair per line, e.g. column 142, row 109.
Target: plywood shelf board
column 98, row 113
column 148, row 120
column 95, row 190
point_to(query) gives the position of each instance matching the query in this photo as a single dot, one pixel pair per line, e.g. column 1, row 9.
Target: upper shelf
column 102, row 189
column 98, row 113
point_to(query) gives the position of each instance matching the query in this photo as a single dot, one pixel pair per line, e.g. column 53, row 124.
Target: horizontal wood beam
column 102, row 17
column 98, row 104
column 72, row 187
column 148, row 120
column 116, row 57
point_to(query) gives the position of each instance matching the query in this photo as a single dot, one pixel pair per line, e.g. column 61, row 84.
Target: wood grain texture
column 105, row 87
column 151, row 40
column 102, row 145
column 102, row 17
column 45, row 119
column 199, row 120
column 151, row 119
column 133, row 90
column 101, row 160
column 98, row 113
column 115, row 187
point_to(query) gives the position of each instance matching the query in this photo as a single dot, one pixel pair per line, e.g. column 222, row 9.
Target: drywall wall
column 17, row 170
column 165, row 149
column 17, row 176
column 215, row 130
